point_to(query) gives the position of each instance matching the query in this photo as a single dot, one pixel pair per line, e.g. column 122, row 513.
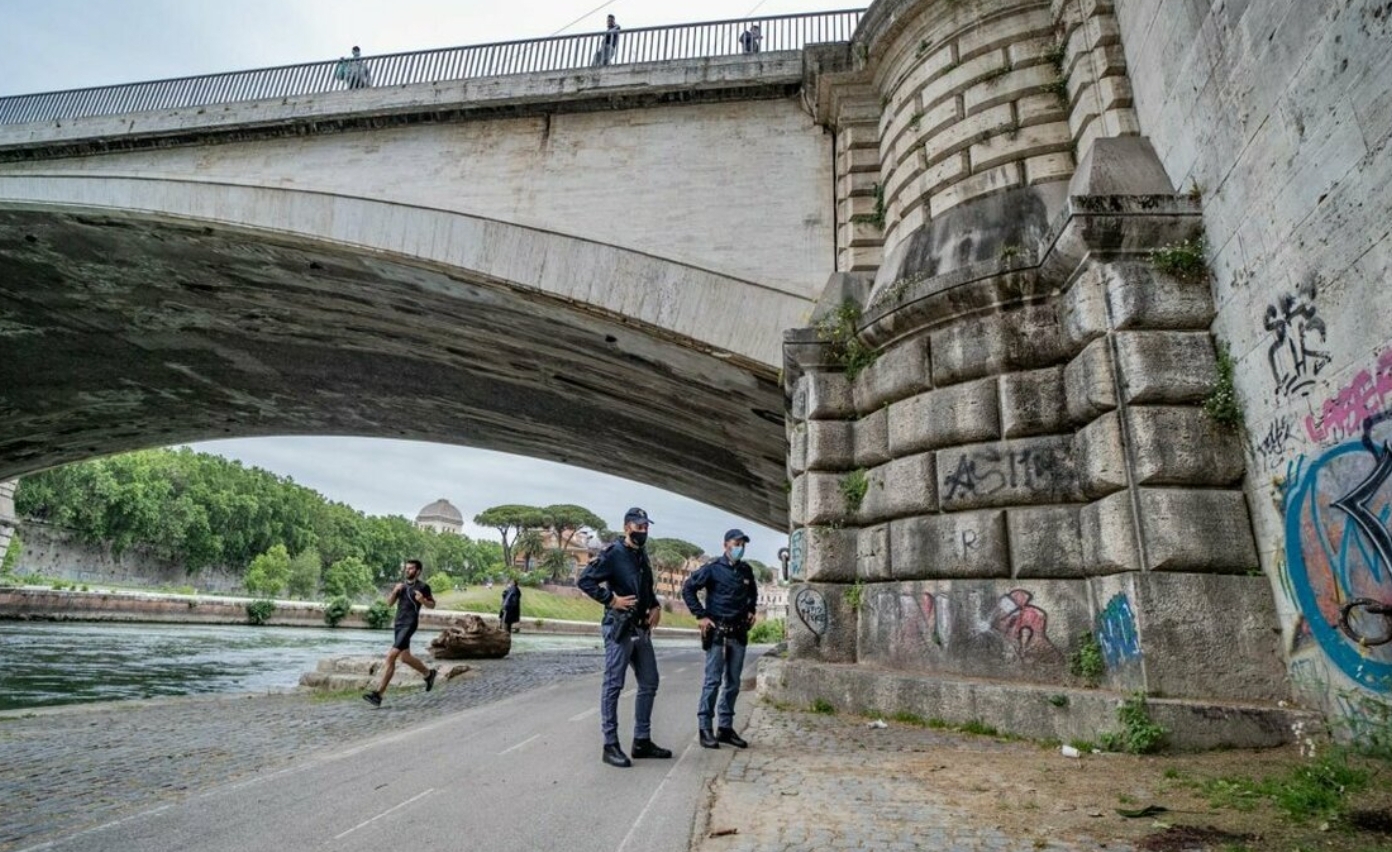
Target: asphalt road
column 519, row 774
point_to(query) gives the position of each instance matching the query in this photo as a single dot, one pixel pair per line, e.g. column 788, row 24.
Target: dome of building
column 440, row 516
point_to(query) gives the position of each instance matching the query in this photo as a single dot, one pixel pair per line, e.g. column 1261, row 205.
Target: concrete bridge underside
column 122, row 331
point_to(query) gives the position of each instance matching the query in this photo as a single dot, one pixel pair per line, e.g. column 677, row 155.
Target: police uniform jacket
column 625, row 571
column 731, row 595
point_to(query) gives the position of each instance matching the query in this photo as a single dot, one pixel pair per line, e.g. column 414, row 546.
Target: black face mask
column 638, row 538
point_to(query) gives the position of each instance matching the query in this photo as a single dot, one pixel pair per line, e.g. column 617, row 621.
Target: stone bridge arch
column 143, row 311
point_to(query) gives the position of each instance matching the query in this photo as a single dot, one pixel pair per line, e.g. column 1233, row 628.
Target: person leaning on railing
column 354, row 71
column 751, row 39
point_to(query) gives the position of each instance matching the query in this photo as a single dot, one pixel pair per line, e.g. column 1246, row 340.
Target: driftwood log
column 471, row 638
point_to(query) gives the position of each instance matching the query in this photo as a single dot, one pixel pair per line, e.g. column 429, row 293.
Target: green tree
column 565, row 520
column 510, row 520
column 348, row 578
column 11, row 560
column 305, row 568
column 555, row 563
column 530, row 545
column 762, row 573
column 269, row 573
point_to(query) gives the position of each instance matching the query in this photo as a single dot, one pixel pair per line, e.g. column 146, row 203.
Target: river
column 44, row 664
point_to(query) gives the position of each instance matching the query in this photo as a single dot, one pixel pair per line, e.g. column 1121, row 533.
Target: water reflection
column 46, row 664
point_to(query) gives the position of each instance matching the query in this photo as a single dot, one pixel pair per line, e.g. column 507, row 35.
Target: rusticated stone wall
column 1026, row 462
column 1278, row 115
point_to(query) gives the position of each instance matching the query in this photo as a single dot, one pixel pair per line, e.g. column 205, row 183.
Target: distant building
column 441, row 517
column 577, row 551
column 669, row 580
column 773, row 600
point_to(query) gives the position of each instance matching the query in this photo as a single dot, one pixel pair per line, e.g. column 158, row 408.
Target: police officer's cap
column 636, row 516
column 736, row 535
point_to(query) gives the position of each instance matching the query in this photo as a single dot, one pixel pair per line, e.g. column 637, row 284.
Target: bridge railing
column 558, row 53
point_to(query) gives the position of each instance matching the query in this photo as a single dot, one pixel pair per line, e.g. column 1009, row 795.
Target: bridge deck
column 558, row 53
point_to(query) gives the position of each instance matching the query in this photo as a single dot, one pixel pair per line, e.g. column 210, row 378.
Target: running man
column 409, row 597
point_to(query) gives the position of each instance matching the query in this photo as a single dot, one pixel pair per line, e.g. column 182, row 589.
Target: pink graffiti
column 919, row 618
column 1366, row 396
column 1024, row 625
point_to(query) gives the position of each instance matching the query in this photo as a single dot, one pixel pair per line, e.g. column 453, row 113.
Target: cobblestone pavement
column 63, row 771
column 814, row 782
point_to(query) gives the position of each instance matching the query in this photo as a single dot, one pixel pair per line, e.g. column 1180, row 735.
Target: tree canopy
column 202, row 510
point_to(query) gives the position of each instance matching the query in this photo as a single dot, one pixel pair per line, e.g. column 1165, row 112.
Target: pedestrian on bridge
column 354, row 71
column 731, row 598
column 751, row 39
column 609, row 45
column 409, row 596
column 621, row 578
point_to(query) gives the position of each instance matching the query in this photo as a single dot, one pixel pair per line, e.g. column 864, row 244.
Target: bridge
column 496, row 245
column 1018, row 444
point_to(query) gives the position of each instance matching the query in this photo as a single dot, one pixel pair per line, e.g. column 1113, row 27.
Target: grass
column 544, row 605
column 1316, row 791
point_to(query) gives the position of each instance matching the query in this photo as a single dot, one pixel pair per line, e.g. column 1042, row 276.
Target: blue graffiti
column 1337, row 550
column 797, row 548
column 1116, row 632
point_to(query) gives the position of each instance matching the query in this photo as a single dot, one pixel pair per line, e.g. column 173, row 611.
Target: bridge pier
column 1001, row 464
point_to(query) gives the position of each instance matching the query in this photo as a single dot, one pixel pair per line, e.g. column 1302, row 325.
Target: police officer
column 725, row 618
column 631, row 611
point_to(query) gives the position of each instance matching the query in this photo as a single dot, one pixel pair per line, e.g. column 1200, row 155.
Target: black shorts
column 404, row 632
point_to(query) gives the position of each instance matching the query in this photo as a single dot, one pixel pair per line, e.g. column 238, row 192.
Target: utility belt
column 626, row 621
column 725, row 631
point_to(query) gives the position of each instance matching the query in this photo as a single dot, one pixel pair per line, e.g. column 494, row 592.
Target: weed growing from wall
column 853, row 488
column 259, row 612
column 1221, row 403
column 1184, row 260
column 11, row 563
column 1087, row 663
column 821, row 705
column 878, row 217
column 854, row 595
column 838, row 331
column 337, row 610
column 1139, row 733
column 378, row 615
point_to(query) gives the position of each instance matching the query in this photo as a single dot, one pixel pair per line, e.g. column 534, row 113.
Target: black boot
column 708, row 739
column 728, row 735
column 614, row 756
column 648, row 748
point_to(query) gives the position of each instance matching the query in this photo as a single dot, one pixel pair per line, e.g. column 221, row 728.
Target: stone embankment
column 41, row 604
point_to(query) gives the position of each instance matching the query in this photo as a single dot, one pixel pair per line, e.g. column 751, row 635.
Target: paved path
column 829, row 783
column 511, row 755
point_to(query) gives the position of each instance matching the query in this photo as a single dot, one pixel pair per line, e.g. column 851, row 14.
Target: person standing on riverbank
column 725, row 616
column 409, row 596
column 631, row 611
column 511, row 613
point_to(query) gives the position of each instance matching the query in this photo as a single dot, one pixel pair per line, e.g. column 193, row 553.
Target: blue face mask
column 737, row 553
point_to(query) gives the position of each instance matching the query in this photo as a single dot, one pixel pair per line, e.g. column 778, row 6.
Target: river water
column 44, row 664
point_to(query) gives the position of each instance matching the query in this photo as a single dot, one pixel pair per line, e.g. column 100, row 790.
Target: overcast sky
column 48, row 45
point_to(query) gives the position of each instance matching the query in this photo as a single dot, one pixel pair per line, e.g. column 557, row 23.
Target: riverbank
column 36, row 603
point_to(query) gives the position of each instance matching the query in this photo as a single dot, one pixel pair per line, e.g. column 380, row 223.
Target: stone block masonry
column 1039, row 472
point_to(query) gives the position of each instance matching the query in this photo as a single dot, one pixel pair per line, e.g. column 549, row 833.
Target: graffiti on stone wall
column 918, row 619
column 1116, row 632
column 1358, row 406
column 797, row 552
column 1339, row 550
column 1277, row 444
column 812, row 609
column 1294, row 323
column 984, row 472
column 1024, row 626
